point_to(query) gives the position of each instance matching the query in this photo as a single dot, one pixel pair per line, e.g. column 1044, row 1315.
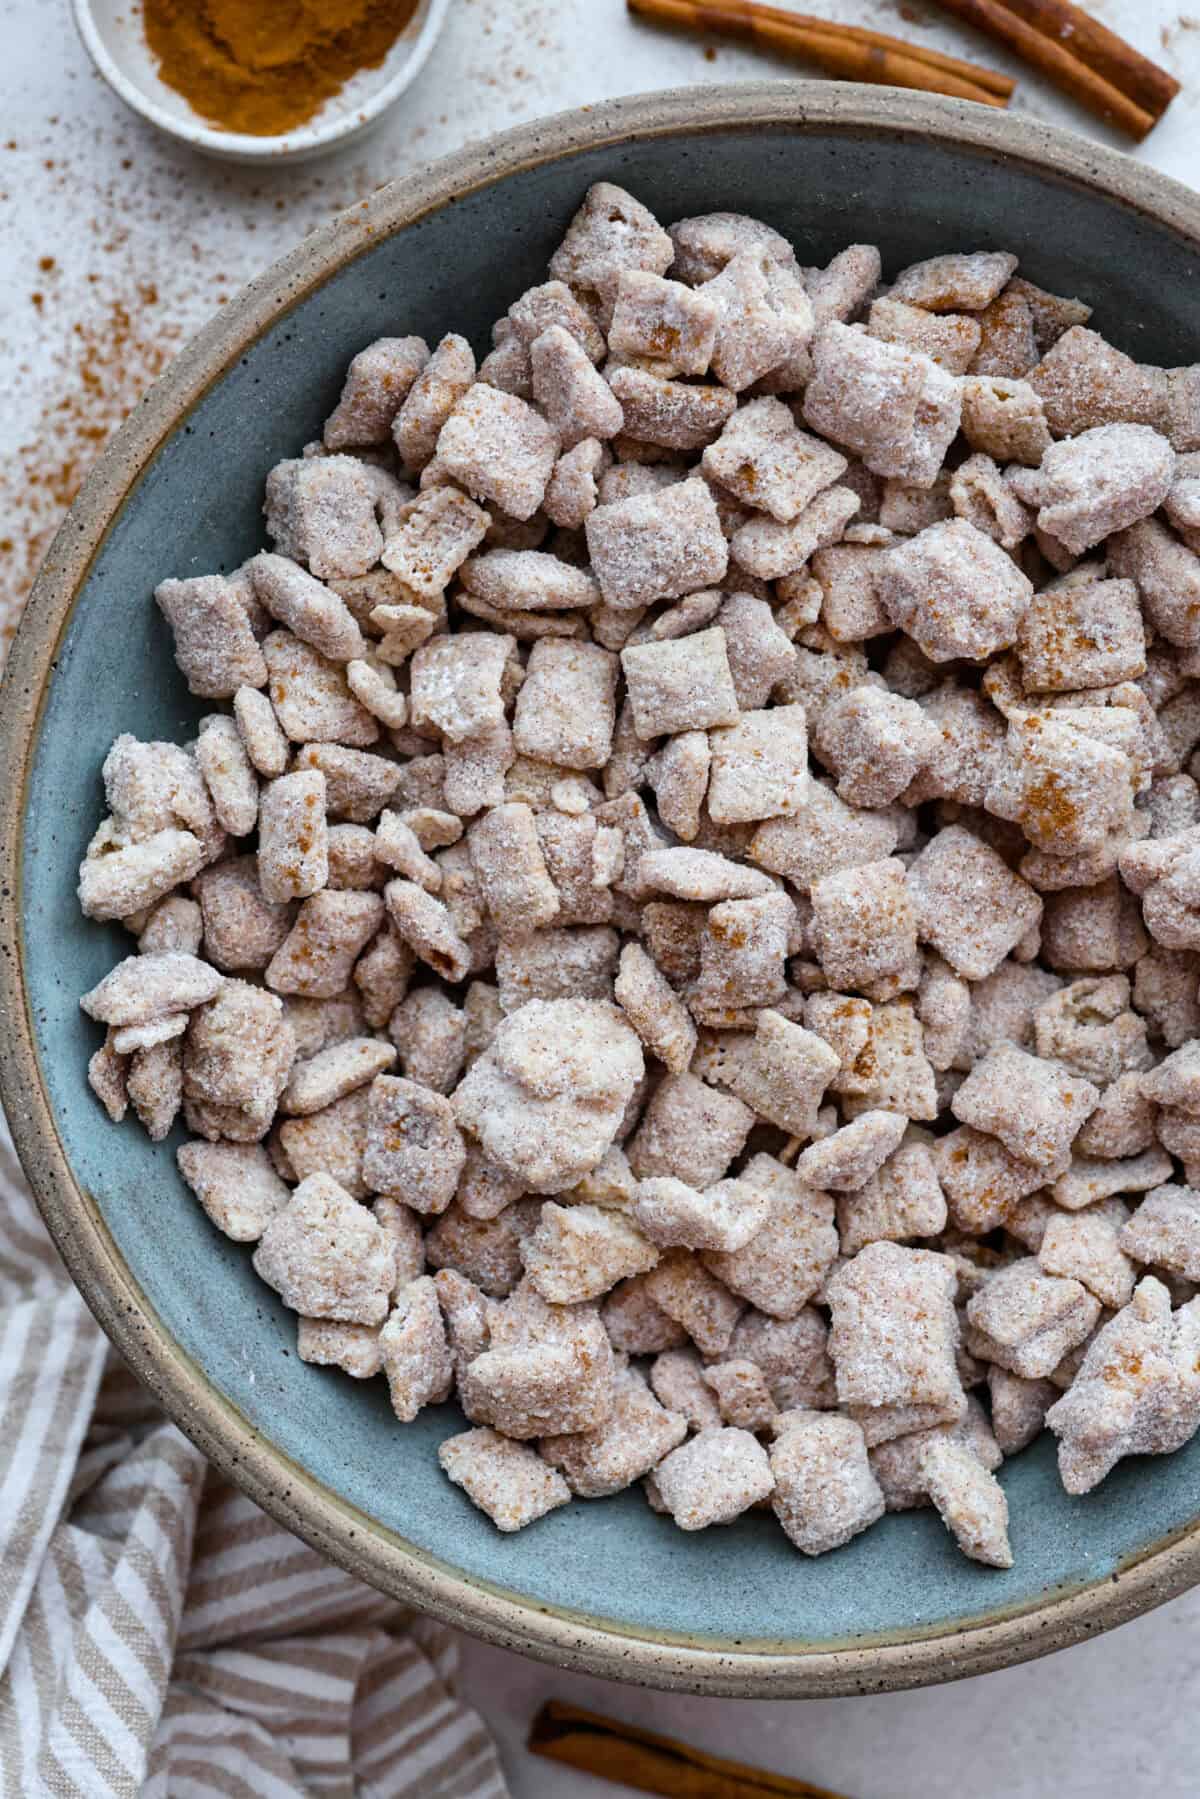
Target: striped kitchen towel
column 159, row 1634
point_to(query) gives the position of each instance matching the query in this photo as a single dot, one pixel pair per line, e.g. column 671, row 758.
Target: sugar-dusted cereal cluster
column 681, row 926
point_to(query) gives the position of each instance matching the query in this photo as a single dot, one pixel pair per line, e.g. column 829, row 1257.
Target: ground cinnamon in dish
column 265, row 66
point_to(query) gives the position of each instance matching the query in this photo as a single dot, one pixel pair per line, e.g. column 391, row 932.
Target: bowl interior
column 119, row 31
column 197, row 509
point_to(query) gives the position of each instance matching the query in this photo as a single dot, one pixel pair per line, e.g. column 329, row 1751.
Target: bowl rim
column 243, row 146
column 284, row 1489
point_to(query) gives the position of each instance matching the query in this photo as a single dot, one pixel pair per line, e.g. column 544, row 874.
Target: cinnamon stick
column 619, row 1752
column 1102, row 50
column 848, row 52
column 1062, row 66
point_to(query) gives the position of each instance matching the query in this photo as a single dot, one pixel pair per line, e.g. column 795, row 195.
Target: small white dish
column 114, row 39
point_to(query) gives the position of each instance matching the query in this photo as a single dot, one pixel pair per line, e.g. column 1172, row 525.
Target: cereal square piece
column 774, row 551
column 680, row 685
column 742, row 957
column 486, row 1251
column 742, row 1393
column 507, row 857
column 329, row 1142
column 713, row 1478
column 634, row 1439
column 310, row 695
column 656, row 546
column 236, row 1185
column 154, row 1086
column 782, row 1072
column 767, row 462
column 969, row 1499
column 636, row 1324
column 316, row 958
column 1005, row 419
column 443, row 381
column 1137, row 1391
column 214, row 645
column 144, row 989
column 950, row 340
column 264, row 742
column 685, row 1290
column 1084, row 382
column 547, row 1098
column 864, row 928
column 843, row 287
column 669, row 415
column 328, row 1076
column 663, row 322
column 895, row 1331
column 293, row 838
column 759, row 764
column 497, row 447
column 1033, row 1106
column 306, row 607
column 549, row 1370
column 575, row 397
column 679, row 776
column 826, row 836
column 760, row 654
column 507, row 1480
column 982, row 1181
column 1083, row 1246
column 456, row 684
column 1164, row 1232
column 430, row 1032
column 969, row 904
column 573, row 489
column 1102, row 481
column 579, row 1252
column 414, row 1350
column 326, row 1256
column 787, row 1261
column 849, row 1157
column 725, row 1216
column 903, row 1199
column 1167, row 574
column 825, row 1491
column 864, row 393
column 1018, row 1407
column 237, row 1055
column 1175, row 1083
column 960, row 281
column 1029, row 1320
column 228, row 774
column 356, row 784
column 677, row 1379
column 766, row 323
column 792, row 1355
column 321, row 511
column 414, row 1151
column 980, row 495
column 955, row 591
column 376, row 385
column 513, row 580
column 689, row 1131
column 426, row 926
column 652, row 1007
column 106, row 1073
column 566, row 709
column 354, row 1348
column 876, row 743
column 433, row 539
column 1086, row 635
column 611, row 231
column 705, row 244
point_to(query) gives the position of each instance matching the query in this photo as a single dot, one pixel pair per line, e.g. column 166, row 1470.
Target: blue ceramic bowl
column 605, row 1585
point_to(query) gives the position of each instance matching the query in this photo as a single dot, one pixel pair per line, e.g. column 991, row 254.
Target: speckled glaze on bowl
column 606, row 1586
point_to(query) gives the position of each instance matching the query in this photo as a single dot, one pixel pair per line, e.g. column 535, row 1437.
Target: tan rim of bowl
column 281, row 1487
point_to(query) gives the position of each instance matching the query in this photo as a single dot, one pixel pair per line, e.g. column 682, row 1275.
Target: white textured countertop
column 115, row 245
